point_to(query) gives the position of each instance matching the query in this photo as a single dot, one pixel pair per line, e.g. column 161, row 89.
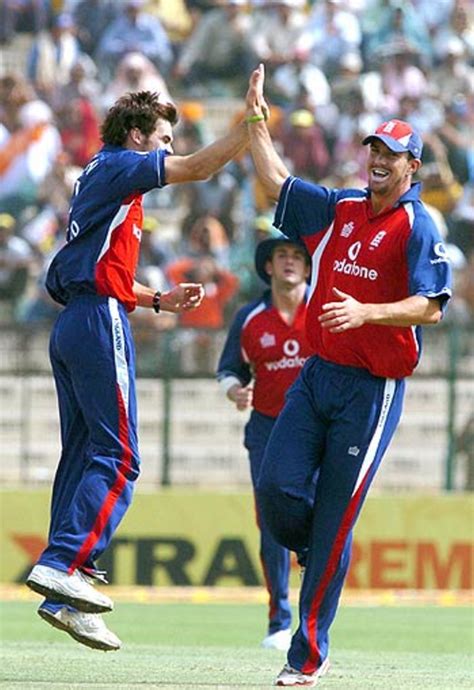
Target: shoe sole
column 311, row 682
column 93, row 644
column 80, row 604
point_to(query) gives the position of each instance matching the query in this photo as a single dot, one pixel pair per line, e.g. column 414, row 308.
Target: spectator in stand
column 151, row 271
column 191, row 131
column 347, row 157
column 426, row 112
column 174, row 17
column 462, row 218
column 359, row 102
column 330, row 32
column 196, row 9
column 80, row 131
column 54, row 199
column 52, row 56
column 16, row 262
column 304, row 145
column 347, row 79
column 300, row 83
column 461, row 26
column 431, row 14
column 440, row 187
column 29, row 16
column 398, row 22
column 207, row 235
column 277, row 28
column 200, row 348
column 131, row 32
column 456, row 134
column 82, row 83
column 27, row 155
column 155, row 255
column 134, row 72
column 400, row 73
column 454, row 75
column 15, row 92
column 220, row 286
column 346, row 175
column 92, row 18
column 219, row 49
column 215, row 197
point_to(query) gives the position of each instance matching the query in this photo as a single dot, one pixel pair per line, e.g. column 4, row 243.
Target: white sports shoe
column 73, row 590
column 87, row 628
column 280, row 640
column 290, row 677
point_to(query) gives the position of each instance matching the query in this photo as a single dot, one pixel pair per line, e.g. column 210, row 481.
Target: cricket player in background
column 264, row 352
column 92, row 351
column 379, row 272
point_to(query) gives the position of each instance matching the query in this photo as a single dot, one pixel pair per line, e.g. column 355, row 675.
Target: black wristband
column 156, row 302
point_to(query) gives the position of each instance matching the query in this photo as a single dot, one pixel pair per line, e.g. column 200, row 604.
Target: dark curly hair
column 141, row 110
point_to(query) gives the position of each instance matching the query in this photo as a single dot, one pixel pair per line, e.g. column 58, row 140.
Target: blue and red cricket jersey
column 374, row 258
column 262, row 347
column 104, row 229
column 92, row 355
column 342, row 411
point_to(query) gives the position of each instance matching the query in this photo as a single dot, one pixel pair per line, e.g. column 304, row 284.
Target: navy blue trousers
column 275, row 559
column 319, row 462
column 92, row 356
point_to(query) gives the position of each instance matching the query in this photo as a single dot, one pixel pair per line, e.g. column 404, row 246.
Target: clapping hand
column 183, row 297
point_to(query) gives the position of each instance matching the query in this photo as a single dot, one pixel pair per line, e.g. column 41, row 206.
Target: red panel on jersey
column 277, row 352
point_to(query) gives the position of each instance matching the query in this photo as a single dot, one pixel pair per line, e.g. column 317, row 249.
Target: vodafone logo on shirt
column 349, row 266
column 291, row 349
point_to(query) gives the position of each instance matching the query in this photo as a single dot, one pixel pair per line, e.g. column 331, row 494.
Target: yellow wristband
column 254, row 118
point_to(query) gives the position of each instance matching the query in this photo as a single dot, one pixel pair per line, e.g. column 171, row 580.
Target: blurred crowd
column 335, row 70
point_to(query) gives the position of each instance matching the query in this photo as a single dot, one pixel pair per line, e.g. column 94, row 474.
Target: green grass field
column 217, row 646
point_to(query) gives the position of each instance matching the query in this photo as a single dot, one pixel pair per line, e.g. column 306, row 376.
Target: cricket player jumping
column 92, row 351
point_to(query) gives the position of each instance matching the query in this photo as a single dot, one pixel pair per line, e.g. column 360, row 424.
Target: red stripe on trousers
column 110, row 500
column 314, row 657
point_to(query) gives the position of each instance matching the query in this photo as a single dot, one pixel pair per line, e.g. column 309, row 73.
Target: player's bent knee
column 288, row 518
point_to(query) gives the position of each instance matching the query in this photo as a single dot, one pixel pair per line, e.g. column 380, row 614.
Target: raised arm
column 208, row 160
column 271, row 170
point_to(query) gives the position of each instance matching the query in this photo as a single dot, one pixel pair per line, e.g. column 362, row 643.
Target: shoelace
column 92, row 576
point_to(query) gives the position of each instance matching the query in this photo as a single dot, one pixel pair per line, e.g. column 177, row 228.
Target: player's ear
column 414, row 165
column 269, row 267
column 136, row 136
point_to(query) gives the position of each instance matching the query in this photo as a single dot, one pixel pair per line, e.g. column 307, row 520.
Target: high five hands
column 254, row 100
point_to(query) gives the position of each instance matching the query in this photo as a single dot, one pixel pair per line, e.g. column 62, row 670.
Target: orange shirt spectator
column 220, row 286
